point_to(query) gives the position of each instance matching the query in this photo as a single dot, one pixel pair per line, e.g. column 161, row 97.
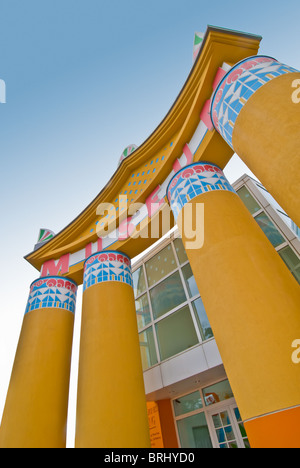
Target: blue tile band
column 237, row 87
column 194, row 180
column 53, row 292
column 107, row 266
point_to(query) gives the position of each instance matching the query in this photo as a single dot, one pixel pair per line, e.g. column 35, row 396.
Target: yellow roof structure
column 185, row 135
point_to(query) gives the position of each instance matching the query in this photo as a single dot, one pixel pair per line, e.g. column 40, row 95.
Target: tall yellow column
column 111, row 405
column 256, row 108
column 35, row 413
column 251, row 299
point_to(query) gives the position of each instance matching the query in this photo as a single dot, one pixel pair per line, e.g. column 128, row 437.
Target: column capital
column 54, row 292
column 194, row 180
column 237, row 87
column 108, row 265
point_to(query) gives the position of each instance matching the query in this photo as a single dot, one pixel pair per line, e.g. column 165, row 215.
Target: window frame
column 188, row 302
column 251, row 185
column 208, row 411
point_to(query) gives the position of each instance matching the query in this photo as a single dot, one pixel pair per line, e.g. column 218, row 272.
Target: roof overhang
column 173, row 133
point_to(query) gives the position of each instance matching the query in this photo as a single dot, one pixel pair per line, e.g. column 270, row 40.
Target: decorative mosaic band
column 52, row 292
column 195, row 180
column 237, row 87
column 107, row 266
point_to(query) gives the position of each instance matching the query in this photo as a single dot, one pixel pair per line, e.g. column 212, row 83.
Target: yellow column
column 251, row 299
column 111, row 405
column 35, row 413
column 256, row 109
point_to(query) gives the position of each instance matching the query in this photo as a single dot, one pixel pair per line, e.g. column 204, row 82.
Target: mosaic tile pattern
column 52, row 292
column 195, row 180
column 127, row 152
column 237, row 87
column 198, row 39
column 107, row 266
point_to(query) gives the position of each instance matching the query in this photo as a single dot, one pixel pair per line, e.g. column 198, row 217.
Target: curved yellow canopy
column 119, row 218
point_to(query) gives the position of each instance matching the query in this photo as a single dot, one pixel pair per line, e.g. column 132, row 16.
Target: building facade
column 184, row 374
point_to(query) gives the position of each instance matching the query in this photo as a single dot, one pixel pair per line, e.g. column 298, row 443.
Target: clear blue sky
column 84, row 79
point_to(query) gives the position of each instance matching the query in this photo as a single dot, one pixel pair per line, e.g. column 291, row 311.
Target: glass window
column 193, row 432
column 248, row 200
column 147, row 347
column 142, row 311
column 139, row 284
column 190, row 280
column 202, row 320
column 224, row 431
column 295, row 228
column 269, row 229
column 167, row 295
column 242, row 428
column 176, row 333
column 187, row 403
column 217, row 392
column 160, row 265
column 291, row 260
column 181, row 254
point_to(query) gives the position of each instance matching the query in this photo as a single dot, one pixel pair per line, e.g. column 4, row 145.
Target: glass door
column 193, row 432
column 226, row 427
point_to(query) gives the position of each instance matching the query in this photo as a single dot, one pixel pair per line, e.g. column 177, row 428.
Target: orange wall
column 161, row 424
